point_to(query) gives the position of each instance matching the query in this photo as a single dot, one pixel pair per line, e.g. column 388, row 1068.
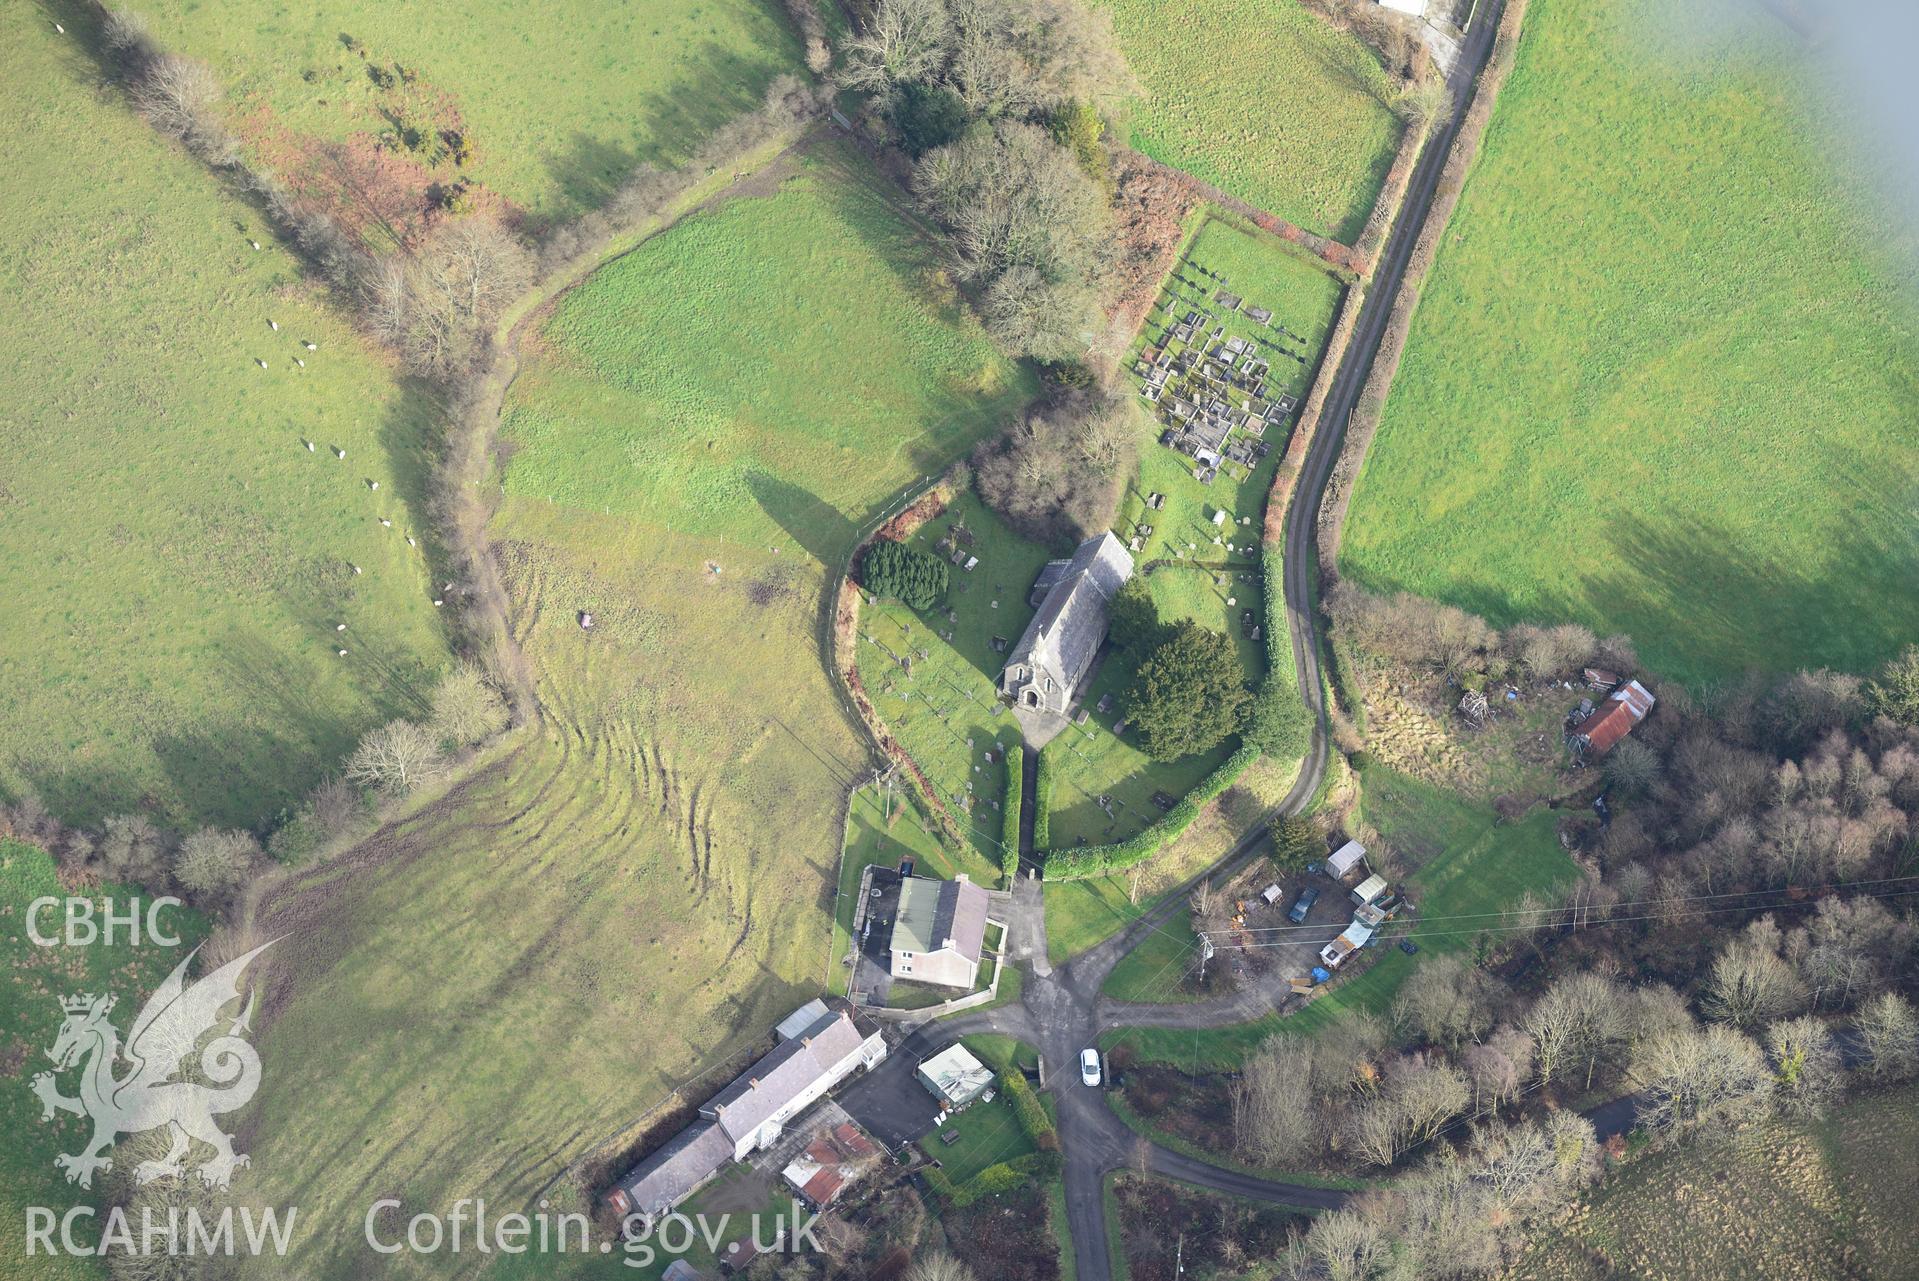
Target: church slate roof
column 1066, row 632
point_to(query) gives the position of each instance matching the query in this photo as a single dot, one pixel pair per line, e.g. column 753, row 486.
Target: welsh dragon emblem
column 151, row 1094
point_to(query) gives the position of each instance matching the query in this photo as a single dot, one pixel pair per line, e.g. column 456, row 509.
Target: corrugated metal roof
column 1346, row 858
column 796, row 1023
column 1624, row 708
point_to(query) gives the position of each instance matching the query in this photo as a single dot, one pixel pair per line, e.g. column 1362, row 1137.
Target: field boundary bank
column 1369, row 408
column 1341, row 257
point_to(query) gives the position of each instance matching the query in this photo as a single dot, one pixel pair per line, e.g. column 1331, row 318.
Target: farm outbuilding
column 1624, row 708
column 1345, row 859
column 1355, row 936
column 1373, row 887
column 955, row 1077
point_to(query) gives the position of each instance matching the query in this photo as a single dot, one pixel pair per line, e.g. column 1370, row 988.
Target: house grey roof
column 689, row 1159
column 782, row 1075
column 934, row 914
column 1071, row 622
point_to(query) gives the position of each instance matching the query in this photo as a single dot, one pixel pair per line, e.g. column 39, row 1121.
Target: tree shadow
column 816, row 525
column 720, row 85
column 1701, row 603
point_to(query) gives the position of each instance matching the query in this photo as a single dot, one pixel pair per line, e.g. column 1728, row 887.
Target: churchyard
column 1192, row 526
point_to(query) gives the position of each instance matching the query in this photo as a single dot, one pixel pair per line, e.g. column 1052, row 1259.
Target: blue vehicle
column 1302, row 905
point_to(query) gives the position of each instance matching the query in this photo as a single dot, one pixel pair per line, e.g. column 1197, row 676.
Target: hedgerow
column 1043, row 801
column 1098, row 860
column 1027, row 1107
column 1009, row 816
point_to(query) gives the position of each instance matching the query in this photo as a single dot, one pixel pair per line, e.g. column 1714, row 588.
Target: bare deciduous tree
column 1889, row 1033
column 901, row 42
column 1703, row 1075
column 1807, row 1065
column 1447, row 1000
column 1276, row 1116
column 1751, row 984
column 179, row 96
column 938, row 1266
column 398, row 757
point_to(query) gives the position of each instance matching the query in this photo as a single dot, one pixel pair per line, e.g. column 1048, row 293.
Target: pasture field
column 1468, row 866
column 1264, row 101
column 1826, row 1198
column 30, row 1018
column 1662, row 386
column 172, row 560
column 644, row 884
column 558, row 101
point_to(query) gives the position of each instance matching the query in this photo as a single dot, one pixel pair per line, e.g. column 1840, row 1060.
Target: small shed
column 1369, row 889
column 1345, row 859
column 1271, row 894
column 1355, row 937
column 955, row 1077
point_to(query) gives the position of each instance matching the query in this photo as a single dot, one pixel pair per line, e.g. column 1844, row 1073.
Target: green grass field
column 643, row 886
column 30, row 1018
column 1264, row 101
column 1473, row 867
column 174, row 559
column 1825, row 1198
column 1660, row 386
column 559, row 101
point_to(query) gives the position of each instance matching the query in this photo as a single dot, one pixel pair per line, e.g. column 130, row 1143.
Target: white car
column 1089, row 1066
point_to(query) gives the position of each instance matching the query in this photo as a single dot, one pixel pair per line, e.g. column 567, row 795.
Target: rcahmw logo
column 151, row 1095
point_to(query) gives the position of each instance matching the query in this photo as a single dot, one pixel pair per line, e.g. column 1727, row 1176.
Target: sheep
column 273, row 324
column 354, row 568
column 255, row 244
column 437, row 602
column 339, row 627
column 309, row 444
column 57, row 27
column 342, row 653
column 310, row 346
column 261, row 363
column 339, row 453
column 373, row 484
column 385, row 523
column 301, row 363
column 410, row 542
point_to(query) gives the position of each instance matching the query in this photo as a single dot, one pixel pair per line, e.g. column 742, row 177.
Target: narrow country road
column 1061, row 1011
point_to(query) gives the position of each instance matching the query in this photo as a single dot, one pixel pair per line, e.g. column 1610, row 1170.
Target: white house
column 753, row 1111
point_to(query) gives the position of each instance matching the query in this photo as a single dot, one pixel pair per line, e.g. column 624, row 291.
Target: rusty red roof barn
column 1623, row 709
